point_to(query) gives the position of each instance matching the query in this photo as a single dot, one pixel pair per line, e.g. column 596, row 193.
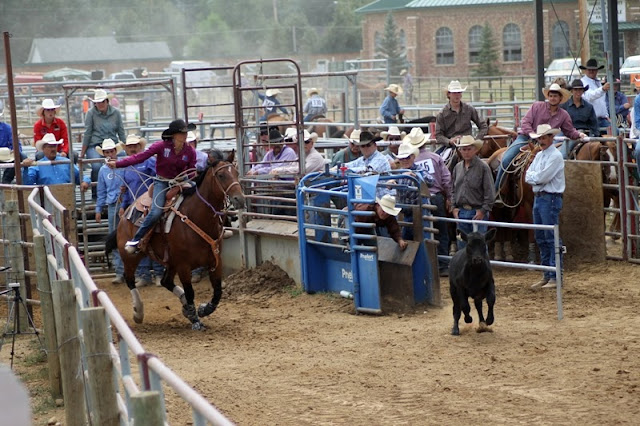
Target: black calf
column 470, row 276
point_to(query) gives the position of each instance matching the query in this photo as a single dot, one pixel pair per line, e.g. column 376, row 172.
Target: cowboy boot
column 508, row 252
column 497, row 251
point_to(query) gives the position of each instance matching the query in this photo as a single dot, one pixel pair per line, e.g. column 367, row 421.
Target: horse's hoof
column 205, row 309
column 482, row 328
column 189, row 312
column 198, row 326
column 455, row 331
column 138, row 317
column 468, row 319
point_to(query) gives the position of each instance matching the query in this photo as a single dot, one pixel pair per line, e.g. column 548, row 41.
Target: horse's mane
column 215, row 157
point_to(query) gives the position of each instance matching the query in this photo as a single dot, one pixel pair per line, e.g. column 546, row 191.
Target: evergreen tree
column 391, row 49
column 488, row 55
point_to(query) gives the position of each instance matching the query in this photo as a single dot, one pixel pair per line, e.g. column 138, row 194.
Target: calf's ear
column 463, row 235
column 490, row 235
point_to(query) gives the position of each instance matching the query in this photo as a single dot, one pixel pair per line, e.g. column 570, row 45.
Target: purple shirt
column 435, row 167
column 270, row 161
column 539, row 113
column 168, row 163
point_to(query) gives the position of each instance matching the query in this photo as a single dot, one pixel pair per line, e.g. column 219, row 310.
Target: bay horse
column 324, row 127
column 185, row 247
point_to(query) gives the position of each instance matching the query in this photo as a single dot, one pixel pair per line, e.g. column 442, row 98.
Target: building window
column 377, row 40
column 403, row 39
column 560, row 40
column 475, row 44
column 511, row 43
column 444, row 46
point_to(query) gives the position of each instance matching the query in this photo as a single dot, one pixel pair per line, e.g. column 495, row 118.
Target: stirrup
column 131, row 246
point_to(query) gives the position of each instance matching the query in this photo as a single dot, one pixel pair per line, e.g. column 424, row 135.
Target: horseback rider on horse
column 315, row 105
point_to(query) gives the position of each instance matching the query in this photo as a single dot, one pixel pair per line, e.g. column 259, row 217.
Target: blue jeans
column 546, row 209
column 146, row 266
column 91, row 153
column 468, row 227
column 157, row 203
column 113, row 220
column 9, row 174
column 603, row 123
column 508, row 157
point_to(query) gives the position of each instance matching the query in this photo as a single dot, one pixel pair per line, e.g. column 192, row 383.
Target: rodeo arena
column 267, row 295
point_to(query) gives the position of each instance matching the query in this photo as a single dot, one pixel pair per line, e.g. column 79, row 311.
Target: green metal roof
column 383, row 6
column 628, row 26
column 387, row 5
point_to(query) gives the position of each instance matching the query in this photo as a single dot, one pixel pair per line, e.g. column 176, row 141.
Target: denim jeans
column 546, row 210
column 91, row 153
column 113, row 220
column 157, row 204
column 147, row 266
column 508, row 157
column 9, row 174
column 468, row 227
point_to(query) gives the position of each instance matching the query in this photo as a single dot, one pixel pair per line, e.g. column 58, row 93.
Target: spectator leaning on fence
column 372, row 160
column 6, row 141
column 582, row 114
column 279, row 155
column 314, row 161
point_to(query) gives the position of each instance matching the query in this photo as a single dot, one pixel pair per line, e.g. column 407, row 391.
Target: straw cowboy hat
column 578, row 84
column 177, row 126
column 273, row 92
column 455, row 87
column 134, row 140
column 100, row 95
column 46, row 104
column 393, row 131
column 394, row 88
column 592, row 64
column 191, row 137
column 48, row 139
column 108, row 144
column 406, row 150
column 388, row 204
column 544, row 129
column 365, row 138
column 312, row 91
column 354, row 137
column 556, row 88
column 313, row 136
column 416, row 137
column 468, row 140
column 6, row 156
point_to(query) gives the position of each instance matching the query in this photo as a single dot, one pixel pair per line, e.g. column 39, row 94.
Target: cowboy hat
column 578, row 84
column 468, row 140
column 403, row 72
column 388, row 204
column 191, row 137
column 455, row 87
column 100, row 95
column 393, row 131
column 394, row 88
column 275, row 136
column 134, row 140
column 406, row 150
column 273, row 92
column 544, row 129
column 290, row 134
column 592, row 64
column 354, row 137
column 416, row 137
column 177, row 126
column 313, row 136
column 48, row 139
column 108, row 144
column 312, row 91
column 6, row 156
column 365, row 138
column 46, row 104
column 556, row 88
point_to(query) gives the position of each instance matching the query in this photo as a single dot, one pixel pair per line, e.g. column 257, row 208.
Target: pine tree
column 488, row 55
column 391, row 49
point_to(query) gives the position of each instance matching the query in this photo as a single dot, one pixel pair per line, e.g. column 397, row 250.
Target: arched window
column 377, row 39
column 511, row 43
column 475, row 44
column 444, row 46
column 560, row 40
column 403, row 39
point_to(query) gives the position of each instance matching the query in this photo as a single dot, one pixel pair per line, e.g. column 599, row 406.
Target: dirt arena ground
column 274, row 355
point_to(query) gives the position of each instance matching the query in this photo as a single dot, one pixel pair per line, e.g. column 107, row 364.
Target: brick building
column 443, row 37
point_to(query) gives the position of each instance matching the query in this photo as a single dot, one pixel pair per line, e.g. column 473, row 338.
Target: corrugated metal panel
column 386, row 5
column 383, row 6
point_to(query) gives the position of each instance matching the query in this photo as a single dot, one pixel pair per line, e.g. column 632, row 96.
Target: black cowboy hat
column 592, row 64
column 577, row 84
column 177, row 126
column 275, row 136
column 365, row 138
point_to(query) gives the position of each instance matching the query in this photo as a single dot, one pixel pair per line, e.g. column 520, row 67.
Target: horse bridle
column 215, row 175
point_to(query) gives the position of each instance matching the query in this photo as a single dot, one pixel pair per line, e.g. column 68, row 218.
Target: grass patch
column 294, row 290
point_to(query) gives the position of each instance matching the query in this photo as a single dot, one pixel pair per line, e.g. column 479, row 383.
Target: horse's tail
column 110, row 244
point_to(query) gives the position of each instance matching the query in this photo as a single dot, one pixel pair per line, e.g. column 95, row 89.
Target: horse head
column 497, row 137
column 223, row 178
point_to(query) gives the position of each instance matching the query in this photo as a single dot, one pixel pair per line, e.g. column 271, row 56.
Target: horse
column 195, row 240
column 278, row 118
column 324, row 130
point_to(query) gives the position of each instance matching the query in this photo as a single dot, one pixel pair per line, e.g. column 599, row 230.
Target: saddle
column 574, row 152
column 143, row 202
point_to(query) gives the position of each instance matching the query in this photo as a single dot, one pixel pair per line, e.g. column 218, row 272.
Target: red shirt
column 59, row 130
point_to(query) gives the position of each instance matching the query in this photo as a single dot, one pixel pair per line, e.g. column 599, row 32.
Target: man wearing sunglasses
column 313, row 160
column 372, row 160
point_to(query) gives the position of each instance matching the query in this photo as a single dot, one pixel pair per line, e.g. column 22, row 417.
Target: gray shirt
column 473, row 185
column 101, row 126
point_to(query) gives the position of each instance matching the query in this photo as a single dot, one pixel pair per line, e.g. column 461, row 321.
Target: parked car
column 630, row 74
column 123, row 75
column 566, row 68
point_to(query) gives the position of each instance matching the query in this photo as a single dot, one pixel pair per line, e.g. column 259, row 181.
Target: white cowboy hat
column 403, row 72
column 354, row 137
column 6, row 156
column 544, row 129
column 310, row 136
column 312, row 91
column 108, row 144
column 99, row 95
column 134, row 140
column 290, row 134
column 393, row 131
column 394, row 88
column 191, row 137
column 46, row 104
column 388, row 204
column 406, row 150
column 556, row 88
column 273, row 92
column 48, row 139
column 468, row 140
column 455, row 87
column 416, row 137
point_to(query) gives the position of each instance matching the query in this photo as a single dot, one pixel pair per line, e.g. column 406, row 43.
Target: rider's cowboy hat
column 416, row 137
column 388, row 204
column 312, row 91
column 365, row 138
column 177, row 126
column 394, row 88
column 108, row 144
column 6, row 156
column 354, row 137
column 273, row 92
column 275, row 136
column 455, row 87
column 100, row 95
column 403, row 72
column 592, row 64
column 556, row 88
column 393, row 131
column 134, row 140
column 578, row 84
column 48, row 139
column 191, row 137
column 406, row 150
column 544, row 129
column 46, row 104
column 468, row 140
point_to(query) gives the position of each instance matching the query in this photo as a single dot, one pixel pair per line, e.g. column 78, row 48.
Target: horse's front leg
column 215, row 276
column 187, row 298
column 130, row 265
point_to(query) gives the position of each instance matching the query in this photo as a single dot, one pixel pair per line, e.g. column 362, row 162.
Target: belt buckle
column 467, row 207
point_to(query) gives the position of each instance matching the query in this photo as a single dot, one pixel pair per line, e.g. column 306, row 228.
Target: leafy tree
column 390, row 47
column 345, row 33
column 487, row 56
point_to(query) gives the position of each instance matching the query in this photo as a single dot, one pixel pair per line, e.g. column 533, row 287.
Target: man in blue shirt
column 390, row 108
column 45, row 173
column 270, row 103
column 6, row 141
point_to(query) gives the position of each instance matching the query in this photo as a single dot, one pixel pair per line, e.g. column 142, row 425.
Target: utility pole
column 585, row 47
column 275, row 11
